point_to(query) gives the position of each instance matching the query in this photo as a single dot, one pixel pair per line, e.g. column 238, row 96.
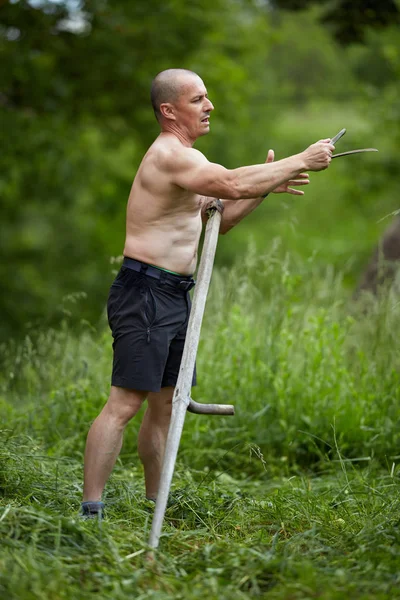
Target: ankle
column 91, row 498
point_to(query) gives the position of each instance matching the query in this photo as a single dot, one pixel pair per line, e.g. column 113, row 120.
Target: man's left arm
column 235, row 210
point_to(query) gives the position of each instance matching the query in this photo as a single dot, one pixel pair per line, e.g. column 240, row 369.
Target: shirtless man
column 149, row 303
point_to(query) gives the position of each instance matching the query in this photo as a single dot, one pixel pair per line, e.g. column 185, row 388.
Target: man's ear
column 167, row 111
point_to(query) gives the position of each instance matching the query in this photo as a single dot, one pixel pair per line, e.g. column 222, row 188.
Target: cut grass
column 333, row 535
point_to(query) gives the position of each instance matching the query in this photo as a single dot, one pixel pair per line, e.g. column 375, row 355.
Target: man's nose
column 209, row 106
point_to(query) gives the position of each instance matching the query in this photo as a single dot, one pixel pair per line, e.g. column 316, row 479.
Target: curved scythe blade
column 354, row 152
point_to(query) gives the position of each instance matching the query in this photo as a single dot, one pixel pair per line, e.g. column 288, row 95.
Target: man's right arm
column 189, row 169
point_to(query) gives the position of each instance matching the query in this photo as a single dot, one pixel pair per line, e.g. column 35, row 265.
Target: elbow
column 239, row 191
column 234, row 188
column 225, row 227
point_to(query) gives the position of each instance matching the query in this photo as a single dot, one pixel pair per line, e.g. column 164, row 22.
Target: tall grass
column 294, row 497
column 280, row 340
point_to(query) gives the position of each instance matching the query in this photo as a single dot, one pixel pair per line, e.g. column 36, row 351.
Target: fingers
column 331, row 149
column 305, row 181
column 329, row 146
column 270, row 156
column 327, row 143
column 295, row 192
column 301, row 179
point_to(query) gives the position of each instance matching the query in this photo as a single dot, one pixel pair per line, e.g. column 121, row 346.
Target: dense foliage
column 76, row 120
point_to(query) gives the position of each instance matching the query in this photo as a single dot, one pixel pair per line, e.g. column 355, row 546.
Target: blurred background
column 76, row 120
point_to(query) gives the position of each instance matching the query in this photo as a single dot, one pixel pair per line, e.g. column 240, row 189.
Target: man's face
column 193, row 108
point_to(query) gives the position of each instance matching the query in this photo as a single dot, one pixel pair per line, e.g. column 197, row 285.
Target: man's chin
column 205, row 130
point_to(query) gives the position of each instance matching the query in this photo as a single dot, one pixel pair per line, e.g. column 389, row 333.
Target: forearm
column 257, row 180
column 236, row 210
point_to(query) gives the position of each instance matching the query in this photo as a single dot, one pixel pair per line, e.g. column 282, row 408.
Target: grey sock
column 92, row 509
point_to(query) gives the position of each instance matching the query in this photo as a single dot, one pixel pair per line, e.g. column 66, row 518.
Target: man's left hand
column 214, row 203
column 301, row 179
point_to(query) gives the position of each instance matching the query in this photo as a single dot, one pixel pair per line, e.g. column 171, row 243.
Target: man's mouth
column 206, row 120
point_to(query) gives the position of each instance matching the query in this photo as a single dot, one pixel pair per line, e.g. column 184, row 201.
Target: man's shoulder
column 169, row 153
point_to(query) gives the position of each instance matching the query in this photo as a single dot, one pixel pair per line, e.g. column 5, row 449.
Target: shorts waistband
column 183, row 282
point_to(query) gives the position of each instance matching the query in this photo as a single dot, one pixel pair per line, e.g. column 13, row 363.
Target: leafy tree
column 75, row 113
column 349, row 19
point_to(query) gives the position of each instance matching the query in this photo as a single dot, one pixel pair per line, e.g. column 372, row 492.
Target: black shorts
column 148, row 312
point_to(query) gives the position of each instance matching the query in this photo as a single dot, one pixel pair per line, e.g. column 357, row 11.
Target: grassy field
column 297, row 496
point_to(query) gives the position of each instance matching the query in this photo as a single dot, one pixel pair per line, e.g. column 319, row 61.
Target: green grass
column 297, row 496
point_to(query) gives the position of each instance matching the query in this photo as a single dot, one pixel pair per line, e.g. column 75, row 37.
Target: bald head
column 167, row 86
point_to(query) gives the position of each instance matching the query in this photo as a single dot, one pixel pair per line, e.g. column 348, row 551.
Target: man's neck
column 182, row 136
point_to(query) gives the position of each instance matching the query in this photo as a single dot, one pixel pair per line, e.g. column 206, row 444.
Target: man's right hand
column 319, row 155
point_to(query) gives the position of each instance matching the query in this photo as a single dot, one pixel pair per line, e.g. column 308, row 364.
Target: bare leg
column 104, row 439
column 153, row 436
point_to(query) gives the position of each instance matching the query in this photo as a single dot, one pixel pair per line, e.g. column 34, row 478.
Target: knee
column 123, row 405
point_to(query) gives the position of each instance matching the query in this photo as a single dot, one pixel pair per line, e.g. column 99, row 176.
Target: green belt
column 167, row 270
